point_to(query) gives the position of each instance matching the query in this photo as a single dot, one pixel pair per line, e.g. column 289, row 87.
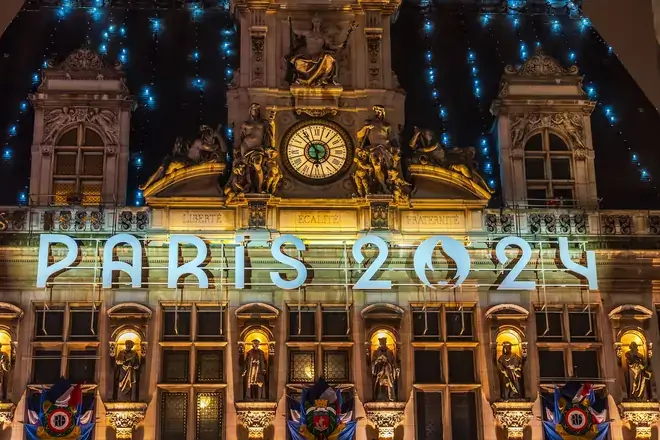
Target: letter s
column 281, row 257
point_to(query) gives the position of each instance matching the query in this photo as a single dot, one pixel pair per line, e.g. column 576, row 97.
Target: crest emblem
column 576, row 421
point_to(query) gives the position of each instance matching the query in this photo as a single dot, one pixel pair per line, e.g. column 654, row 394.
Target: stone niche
column 255, row 409
column 382, row 325
column 10, row 317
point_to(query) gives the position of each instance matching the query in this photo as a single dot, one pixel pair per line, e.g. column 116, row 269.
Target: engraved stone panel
column 432, row 221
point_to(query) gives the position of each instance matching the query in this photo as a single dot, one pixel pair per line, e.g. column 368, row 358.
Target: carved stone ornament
column 373, row 46
column 258, row 46
column 6, row 413
column 542, row 65
column 55, row 120
column 641, row 416
column 46, row 150
column 84, row 60
column 317, row 112
column 256, row 417
column 380, row 215
column 385, row 417
column 513, row 417
column 124, row 417
column 570, row 125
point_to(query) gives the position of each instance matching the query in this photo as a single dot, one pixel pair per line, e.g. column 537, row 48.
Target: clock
column 317, row 151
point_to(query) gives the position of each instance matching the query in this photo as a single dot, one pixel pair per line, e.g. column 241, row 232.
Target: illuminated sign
column 422, row 261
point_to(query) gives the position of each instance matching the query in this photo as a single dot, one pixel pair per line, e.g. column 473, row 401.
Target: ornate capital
column 6, row 413
column 513, row 417
column 385, row 417
column 641, row 416
column 256, row 416
column 124, row 417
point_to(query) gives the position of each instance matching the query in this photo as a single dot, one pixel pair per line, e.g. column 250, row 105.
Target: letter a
column 110, row 265
column 44, row 271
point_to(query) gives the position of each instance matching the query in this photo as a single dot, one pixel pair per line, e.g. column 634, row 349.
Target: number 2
column 366, row 282
column 509, row 282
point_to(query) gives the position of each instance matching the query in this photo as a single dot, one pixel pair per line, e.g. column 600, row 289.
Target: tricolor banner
column 574, row 412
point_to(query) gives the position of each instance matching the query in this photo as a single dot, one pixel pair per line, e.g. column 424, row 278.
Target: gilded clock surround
column 321, row 150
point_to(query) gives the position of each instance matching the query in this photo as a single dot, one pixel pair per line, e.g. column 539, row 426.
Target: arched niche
column 256, row 322
column 634, row 352
column 129, row 310
column 382, row 315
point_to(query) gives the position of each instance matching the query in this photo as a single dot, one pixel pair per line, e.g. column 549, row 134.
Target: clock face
column 317, row 151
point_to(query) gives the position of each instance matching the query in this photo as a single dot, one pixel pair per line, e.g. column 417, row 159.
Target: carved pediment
column 195, row 181
column 436, row 182
column 542, row 65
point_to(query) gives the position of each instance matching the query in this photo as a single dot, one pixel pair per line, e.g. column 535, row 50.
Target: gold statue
column 127, row 373
column 427, row 150
column 209, row 146
column 255, row 370
column 5, row 368
column 238, row 182
column 638, row 374
column 510, row 367
column 363, row 173
column 313, row 56
column 400, row 188
column 384, row 372
column 274, row 174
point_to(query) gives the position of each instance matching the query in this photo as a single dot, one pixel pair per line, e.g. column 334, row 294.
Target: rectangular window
column 302, row 323
column 82, row 366
column 585, row 364
column 49, row 323
column 561, row 168
column 302, row 366
column 552, row 364
column 46, row 366
column 459, row 324
column 173, row 416
column 428, row 366
column 335, row 322
column 210, row 325
column 176, row 323
column 537, row 196
column 535, row 169
column 209, row 366
column 428, row 411
column 549, row 326
column 564, row 194
column 84, row 324
column 426, row 324
column 461, row 366
column 176, row 365
column 582, row 325
column 209, row 416
column 336, row 366
column 464, row 416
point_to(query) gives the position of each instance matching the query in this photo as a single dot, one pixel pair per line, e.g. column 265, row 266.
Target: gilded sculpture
column 378, row 159
column 313, row 56
column 427, row 150
column 384, row 372
column 637, row 374
column 127, row 373
column 6, row 363
column 255, row 168
column 255, row 371
column 510, row 365
column 207, row 147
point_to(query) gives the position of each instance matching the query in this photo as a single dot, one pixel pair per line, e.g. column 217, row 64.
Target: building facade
column 312, row 244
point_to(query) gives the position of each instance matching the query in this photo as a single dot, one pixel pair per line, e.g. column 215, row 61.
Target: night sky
column 165, row 62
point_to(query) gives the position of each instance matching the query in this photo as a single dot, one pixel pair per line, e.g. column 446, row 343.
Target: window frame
column 548, row 183
column 78, row 178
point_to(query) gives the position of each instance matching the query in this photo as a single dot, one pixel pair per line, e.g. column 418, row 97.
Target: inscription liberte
column 443, row 220
column 202, row 219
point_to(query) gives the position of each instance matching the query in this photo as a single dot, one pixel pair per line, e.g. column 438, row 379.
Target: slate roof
column 495, row 40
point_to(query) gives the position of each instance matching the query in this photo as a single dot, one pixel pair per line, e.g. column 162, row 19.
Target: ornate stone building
column 322, row 240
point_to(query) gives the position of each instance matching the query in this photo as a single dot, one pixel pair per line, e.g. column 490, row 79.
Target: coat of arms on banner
column 575, row 412
column 321, row 415
column 60, row 414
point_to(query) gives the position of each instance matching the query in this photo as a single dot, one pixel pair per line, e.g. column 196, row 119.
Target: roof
column 461, row 38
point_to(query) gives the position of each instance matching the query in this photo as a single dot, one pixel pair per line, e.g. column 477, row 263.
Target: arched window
column 78, row 167
column 549, row 170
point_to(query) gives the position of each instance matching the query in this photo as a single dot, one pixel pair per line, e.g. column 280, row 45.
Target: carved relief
column 58, row 119
column 84, row 60
column 258, row 37
column 317, row 112
column 542, row 65
column 571, row 125
column 124, row 417
column 513, row 417
column 374, row 37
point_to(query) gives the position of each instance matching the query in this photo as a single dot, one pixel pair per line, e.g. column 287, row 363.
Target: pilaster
column 514, row 417
column 124, row 417
column 641, row 417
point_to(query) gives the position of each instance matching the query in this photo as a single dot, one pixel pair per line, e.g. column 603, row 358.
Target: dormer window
column 78, row 167
column 549, row 170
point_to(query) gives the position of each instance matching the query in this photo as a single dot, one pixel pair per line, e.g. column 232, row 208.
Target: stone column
column 385, row 417
column 256, row 417
column 641, row 416
column 124, row 417
column 513, row 417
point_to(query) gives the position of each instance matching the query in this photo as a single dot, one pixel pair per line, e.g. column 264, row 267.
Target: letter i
column 239, row 263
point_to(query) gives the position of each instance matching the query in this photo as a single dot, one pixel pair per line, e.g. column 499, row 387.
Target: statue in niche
column 378, row 159
column 427, row 150
column 384, row 372
column 6, row 363
column 313, row 56
column 256, row 372
column 208, row 146
column 256, row 149
column 638, row 374
column 510, row 367
column 127, row 374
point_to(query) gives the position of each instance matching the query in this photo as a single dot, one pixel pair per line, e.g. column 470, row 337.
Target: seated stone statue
column 313, row 56
column 427, row 150
column 208, row 146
